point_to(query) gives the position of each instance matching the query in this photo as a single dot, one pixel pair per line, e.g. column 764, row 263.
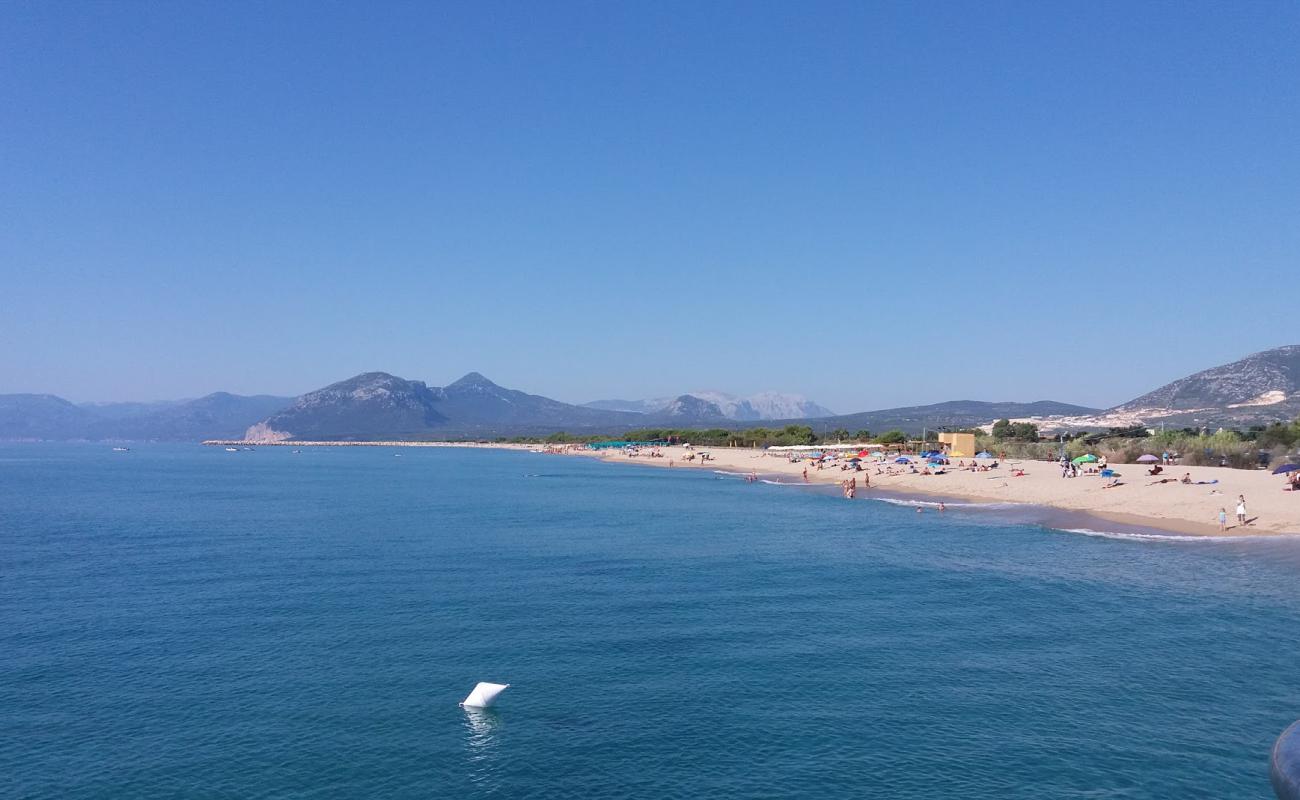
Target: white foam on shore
column 897, row 501
column 736, row 474
column 1173, row 537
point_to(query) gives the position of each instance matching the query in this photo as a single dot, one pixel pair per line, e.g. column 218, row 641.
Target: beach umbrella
column 1148, row 459
column 1286, row 468
column 902, row 460
column 1086, row 458
column 984, row 454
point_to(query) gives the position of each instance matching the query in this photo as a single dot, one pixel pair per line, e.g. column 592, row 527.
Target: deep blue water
column 187, row 622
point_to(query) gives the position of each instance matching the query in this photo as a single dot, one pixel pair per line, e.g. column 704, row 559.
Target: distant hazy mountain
column 1259, row 388
column 46, row 417
column 125, row 410
column 373, row 405
column 688, row 410
column 761, row 406
column 377, row 405
column 476, row 403
column 42, row 416
column 953, row 414
column 216, row 416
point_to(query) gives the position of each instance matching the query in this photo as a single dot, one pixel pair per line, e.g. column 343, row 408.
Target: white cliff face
column 265, row 434
column 1270, row 398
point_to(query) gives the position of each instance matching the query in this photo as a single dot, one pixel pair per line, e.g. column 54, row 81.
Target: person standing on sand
column 805, row 474
column 1241, row 509
column 1223, row 520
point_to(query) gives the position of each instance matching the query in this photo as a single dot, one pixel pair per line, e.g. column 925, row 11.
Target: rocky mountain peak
column 1267, row 378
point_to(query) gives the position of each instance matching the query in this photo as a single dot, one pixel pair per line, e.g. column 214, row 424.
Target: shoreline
column 1140, row 503
column 902, row 487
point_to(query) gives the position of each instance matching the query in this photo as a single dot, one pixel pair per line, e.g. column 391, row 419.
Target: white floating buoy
column 484, row 695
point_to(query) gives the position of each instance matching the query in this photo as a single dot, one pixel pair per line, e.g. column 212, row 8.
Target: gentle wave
column 896, row 501
column 737, row 474
column 1173, row 537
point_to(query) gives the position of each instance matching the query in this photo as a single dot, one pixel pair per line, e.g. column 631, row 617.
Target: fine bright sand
column 1172, row 506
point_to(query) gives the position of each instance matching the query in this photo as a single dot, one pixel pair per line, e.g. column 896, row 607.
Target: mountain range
column 218, row 415
column 760, row 406
column 1261, row 388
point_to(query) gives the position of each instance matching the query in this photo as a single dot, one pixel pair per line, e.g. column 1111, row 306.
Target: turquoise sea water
column 187, row 622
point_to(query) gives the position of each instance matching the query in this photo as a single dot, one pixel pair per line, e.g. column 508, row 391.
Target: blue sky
column 873, row 204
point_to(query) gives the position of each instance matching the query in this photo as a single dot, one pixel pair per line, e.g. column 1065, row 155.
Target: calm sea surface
column 187, row 622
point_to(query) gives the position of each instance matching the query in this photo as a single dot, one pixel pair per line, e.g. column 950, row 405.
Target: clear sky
column 872, row 204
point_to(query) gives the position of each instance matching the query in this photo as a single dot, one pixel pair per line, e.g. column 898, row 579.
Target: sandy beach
column 1139, row 500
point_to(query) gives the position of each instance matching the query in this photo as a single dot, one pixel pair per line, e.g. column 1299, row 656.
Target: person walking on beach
column 1241, row 509
column 805, row 474
column 1223, row 519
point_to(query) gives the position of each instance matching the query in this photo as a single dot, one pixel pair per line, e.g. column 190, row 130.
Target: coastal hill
column 382, row 406
column 42, row 416
column 212, row 416
column 49, row 418
column 1256, row 390
column 377, row 405
column 760, row 406
column 951, row 414
column 1261, row 387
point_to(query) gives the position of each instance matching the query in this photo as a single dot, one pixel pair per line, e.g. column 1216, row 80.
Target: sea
column 187, row 622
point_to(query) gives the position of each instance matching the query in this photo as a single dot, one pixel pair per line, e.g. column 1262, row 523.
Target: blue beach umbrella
column 1286, row 468
column 984, row 454
column 902, row 460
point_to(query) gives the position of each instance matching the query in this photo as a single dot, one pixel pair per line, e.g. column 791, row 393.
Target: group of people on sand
column 1069, row 469
column 975, row 466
